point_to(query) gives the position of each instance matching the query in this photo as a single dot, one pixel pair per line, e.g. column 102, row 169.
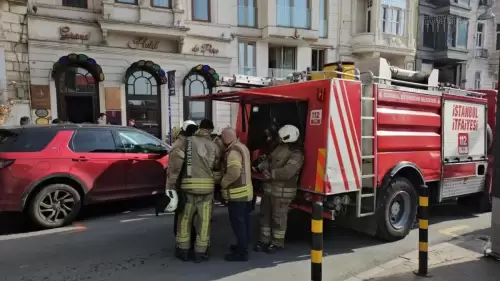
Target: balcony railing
column 280, row 72
column 482, row 53
column 296, row 17
column 247, row 16
column 250, row 71
column 323, row 29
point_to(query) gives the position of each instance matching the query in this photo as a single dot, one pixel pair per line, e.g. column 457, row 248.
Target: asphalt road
column 130, row 244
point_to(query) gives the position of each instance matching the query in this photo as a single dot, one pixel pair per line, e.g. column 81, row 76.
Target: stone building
column 14, row 69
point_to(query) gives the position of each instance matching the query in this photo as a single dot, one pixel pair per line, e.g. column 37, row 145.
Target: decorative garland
column 208, row 73
column 80, row 60
column 150, row 67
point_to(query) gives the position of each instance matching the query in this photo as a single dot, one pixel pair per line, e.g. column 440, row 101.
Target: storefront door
column 77, row 96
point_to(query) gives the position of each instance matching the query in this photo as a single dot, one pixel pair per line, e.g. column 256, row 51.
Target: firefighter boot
column 261, row 247
column 273, row 249
column 183, row 255
column 200, row 257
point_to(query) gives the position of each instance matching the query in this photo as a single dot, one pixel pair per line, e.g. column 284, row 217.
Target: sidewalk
column 457, row 260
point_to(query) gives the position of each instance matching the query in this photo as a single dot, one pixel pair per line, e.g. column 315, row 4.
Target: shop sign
column 144, row 43
column 65, row 33
column 40, row 97
column 205, row 48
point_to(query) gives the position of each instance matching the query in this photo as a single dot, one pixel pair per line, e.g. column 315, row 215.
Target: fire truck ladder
column 367, row 197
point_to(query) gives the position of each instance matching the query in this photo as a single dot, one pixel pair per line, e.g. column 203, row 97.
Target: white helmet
column 289, row 133
column 174, row 200
column 187, row 123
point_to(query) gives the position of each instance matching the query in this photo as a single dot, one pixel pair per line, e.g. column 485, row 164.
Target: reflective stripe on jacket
column 236, row 182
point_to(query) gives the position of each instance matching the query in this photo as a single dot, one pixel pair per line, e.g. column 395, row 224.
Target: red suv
column 51, row 171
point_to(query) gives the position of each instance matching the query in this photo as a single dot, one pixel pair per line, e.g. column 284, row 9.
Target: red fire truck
column 371, row 137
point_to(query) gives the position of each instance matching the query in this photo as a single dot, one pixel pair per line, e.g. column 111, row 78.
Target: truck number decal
column 316, row 116
column 463, row 143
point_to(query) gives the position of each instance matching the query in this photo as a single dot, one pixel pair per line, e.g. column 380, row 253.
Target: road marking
column 41, row 232
column 131, row 220
column 154, row 215
column 452, row 231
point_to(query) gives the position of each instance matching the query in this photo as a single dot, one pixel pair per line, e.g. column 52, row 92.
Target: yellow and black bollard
column 317, row 242
column 423, row 231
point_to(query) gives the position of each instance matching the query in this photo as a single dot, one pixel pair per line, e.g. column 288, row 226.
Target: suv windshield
column 25, row 140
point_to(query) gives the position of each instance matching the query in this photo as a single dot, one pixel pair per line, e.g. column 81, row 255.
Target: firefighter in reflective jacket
column 201, row 157
column 281, row 170
column 188, row 129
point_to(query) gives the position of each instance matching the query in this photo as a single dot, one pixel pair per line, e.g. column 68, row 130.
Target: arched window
column 76, row 80
column 143, row 101
column 195, row 85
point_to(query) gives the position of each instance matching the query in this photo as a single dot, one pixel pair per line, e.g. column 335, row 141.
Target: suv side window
column 25, row 140
column 93, row 141
column 137, row 142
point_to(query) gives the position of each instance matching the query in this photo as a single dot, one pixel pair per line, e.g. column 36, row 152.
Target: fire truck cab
column 371, row 137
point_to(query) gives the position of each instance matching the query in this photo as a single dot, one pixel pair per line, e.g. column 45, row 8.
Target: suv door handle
column 80, row 159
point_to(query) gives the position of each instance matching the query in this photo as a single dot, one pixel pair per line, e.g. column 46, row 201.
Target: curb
column 373, row 272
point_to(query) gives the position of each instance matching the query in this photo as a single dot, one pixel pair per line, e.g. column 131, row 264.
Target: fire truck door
column 464, row 148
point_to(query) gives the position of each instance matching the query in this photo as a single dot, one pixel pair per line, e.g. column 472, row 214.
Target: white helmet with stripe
column 289, row 134
column 187, row 123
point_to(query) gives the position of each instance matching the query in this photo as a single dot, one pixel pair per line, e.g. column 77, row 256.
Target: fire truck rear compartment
column 263, row 116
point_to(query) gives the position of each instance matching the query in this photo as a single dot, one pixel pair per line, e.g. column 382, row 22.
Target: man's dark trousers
column 239, row 216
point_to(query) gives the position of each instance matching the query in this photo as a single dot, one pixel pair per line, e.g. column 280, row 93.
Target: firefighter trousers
column 273, row 219
column 202, row 206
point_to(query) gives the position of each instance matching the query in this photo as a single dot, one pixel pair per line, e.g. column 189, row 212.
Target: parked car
column 50, row 172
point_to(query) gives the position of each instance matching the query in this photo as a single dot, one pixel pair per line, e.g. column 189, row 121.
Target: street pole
column 495, row 187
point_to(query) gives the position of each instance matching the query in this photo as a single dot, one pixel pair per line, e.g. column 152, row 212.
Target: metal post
column 317, row 242
column 171, row 92
column 495, row 188
column 423, row 231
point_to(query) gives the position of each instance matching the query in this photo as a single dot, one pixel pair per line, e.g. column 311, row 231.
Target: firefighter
column 237, row 189
column 280, row 171
column 207, row 127
column 175, row 165
column 200, row 156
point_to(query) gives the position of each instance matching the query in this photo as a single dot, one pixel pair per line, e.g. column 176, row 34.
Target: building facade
column 14, row 70
column 384, row 28
column 494, row 34
column 88, row 57
column 454, row 40
column 112, row 57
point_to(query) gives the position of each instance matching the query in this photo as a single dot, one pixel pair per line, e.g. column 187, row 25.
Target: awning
column 249, row 97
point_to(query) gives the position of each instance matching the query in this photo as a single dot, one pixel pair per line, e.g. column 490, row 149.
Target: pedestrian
column 200, row 156
column 237, row 190
column 131, row 123
column 281, row 171
column 25, row 120
column 102, row 119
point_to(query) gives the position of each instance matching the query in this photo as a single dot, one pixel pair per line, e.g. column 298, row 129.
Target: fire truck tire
column 397, row 210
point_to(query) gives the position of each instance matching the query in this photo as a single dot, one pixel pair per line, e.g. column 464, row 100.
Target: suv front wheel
column 55, row 205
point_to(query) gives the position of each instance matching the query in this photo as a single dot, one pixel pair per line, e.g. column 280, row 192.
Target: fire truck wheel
column 397, row 209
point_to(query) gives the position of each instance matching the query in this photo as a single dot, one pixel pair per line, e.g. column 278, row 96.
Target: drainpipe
column 495, row 188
